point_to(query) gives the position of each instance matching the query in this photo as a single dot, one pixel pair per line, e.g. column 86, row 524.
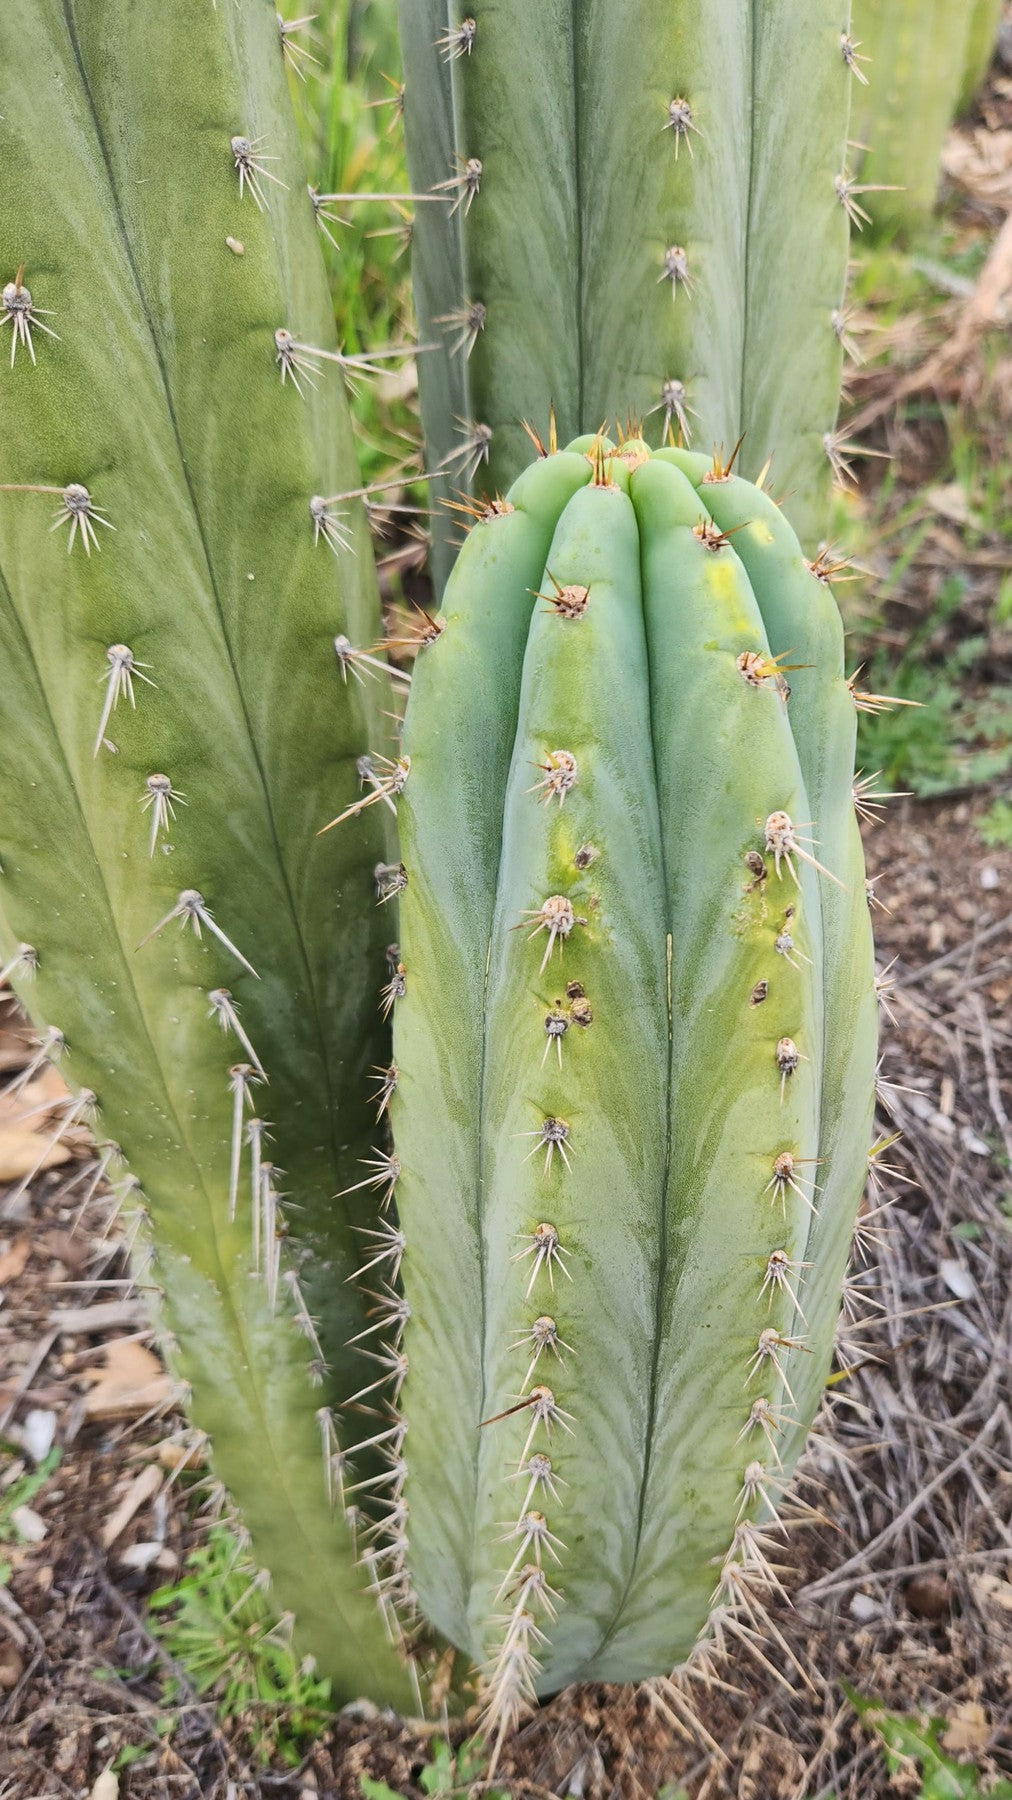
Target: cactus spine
column 703, row 290
column 174, row 730
column 635, row 1053
column 925, row 61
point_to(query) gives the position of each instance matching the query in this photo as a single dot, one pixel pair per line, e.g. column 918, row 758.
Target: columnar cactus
column 649, row 210
column 174, row 726
column 923, row 62
column 575, row 1313
column 634, row 1050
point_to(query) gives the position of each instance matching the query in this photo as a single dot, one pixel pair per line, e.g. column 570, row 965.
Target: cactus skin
column 162, row 394
column 570, row 266
column 667, row 1211
column 985, row 20
column 925, row 63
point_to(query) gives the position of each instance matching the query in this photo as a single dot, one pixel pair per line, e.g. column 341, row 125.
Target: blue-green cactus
column 634, row 1055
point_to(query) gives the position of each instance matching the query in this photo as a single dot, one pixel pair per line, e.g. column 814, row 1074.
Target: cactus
column 645, row 213
column 174, row 729
column 595, row 1270
column 924, row 62
column 634, row 1050
column 981, row 37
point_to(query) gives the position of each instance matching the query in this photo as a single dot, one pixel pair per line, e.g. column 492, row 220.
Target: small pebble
column 28, row 1525
column 37, row 1433
column 863, row 1607
column 927, row 1595
column 957, row 1279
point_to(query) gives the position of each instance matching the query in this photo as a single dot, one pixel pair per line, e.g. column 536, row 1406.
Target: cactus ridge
column 644, row 978
column 729, row 224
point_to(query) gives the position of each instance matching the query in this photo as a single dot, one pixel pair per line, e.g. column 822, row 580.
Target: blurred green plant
column 450, row 1772
column 995, row 826
column 945, row 737
column 21, row 1492
column 345, row 80
column 916, row 1743
column 217, row 1624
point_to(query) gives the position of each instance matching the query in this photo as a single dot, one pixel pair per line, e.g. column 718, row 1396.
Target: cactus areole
column 634, row 1045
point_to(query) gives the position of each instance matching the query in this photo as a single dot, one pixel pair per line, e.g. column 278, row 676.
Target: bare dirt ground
column 900, row 1560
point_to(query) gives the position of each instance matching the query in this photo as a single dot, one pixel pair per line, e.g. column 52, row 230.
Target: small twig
column 951, row 956
column 27, row 1376
column 860, row 1560
column 991, row 1073
column 942, row 1564
column 26, row 1627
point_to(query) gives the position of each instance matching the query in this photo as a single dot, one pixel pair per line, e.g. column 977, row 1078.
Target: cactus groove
column 174, row 729
column 651, row 224
column 635, row 1057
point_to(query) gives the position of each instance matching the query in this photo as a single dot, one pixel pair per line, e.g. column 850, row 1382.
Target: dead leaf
column 968, row 1728
column 17, row 1044
column 12, row 1261
column 132, row 1381
column 22, row 1150
column 951, row 502
column 11, row 1666
column 106, row 1786
column 991, row 1590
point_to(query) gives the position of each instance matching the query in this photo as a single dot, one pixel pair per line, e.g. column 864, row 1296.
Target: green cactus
column 646, row 213
column 634, row 1054
column 924, row 62
column 599, row 1260
column 981, row 37
column 174, row 729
